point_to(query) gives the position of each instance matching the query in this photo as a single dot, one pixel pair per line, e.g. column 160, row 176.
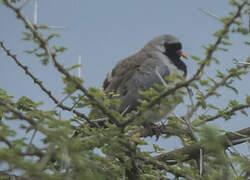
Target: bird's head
column 168, row 45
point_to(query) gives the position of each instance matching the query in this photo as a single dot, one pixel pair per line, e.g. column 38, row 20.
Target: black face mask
column 171, row 52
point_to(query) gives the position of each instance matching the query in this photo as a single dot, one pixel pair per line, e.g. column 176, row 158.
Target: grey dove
column 141, row 71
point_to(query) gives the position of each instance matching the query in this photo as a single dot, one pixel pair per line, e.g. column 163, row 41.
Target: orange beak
column 182, row 54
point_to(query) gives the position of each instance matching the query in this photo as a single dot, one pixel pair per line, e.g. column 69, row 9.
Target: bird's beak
column 182, row 54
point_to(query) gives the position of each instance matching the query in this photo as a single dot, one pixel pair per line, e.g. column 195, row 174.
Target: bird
column 139, row 72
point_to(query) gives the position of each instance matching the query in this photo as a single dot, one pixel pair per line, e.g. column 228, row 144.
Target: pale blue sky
column 103, row 32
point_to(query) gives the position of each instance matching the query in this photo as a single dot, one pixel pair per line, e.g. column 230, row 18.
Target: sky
column 103, row 32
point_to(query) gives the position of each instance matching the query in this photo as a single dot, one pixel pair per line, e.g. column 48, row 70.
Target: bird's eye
column 176, row 46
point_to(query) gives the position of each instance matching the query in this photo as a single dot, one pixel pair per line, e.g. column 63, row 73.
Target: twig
column 231, row 164
column 210, row 92
column 19, row 114
column 229, row 112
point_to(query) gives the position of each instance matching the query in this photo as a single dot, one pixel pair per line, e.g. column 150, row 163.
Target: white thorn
column 35, row 12
column 64, row 99
column 126, row 109
column 209, row 14
column 243, row 63
column 160, row 77
column 24, row 4
column 58, row 27
column 201, row 161
column 80, row 68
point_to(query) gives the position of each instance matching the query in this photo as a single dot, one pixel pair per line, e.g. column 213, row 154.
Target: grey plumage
column 138, row 72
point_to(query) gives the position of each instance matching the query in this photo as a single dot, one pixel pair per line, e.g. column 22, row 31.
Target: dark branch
column 192, row 152
column 39, row 83
column 229, row 113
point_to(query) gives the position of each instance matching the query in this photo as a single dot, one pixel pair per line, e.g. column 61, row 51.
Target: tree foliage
column 70, row 145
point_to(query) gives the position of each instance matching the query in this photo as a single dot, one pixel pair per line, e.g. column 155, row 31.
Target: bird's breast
column 173, row 69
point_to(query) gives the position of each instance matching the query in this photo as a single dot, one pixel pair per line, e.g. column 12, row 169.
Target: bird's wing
column 142, row 79
column 123, row 71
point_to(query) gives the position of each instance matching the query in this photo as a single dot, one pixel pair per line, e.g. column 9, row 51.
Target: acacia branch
column 192, row 151
column 18, row 113
column 211, row 92
column 3, row 139
column 229, row 113
column 39, row 83
column 60, row 68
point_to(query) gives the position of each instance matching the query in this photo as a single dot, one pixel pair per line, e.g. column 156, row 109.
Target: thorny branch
column 39, row 83
column 229, row 113
column 19, row 114
column 193, row 151
column 210, row 93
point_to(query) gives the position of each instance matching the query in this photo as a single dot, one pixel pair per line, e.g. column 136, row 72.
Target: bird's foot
column 152, row 129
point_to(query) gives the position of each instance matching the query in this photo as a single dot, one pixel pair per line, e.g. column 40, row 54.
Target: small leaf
column 45, row 61
column 196, row 58
column 157, row 148
column 53, row 35
column 244, row 113
column 73, row 67
column 43, row 26
column 248, row 99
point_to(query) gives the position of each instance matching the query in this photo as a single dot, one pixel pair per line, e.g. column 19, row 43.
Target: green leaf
column 226, row 43
column 247, row 43
column 73, row 67
column 26, row 104
column 31, row 51
column 232, row 88
column 27, row 36
column 41, row 54
column 216, row 60
column 43, row 26
column 59, row 49
column 222, row 49
column 53, row 35
column 196, row 58
column 248, row 99
column 45, row 61
column 157, row 148
column 204, row 82
column 244, row 113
